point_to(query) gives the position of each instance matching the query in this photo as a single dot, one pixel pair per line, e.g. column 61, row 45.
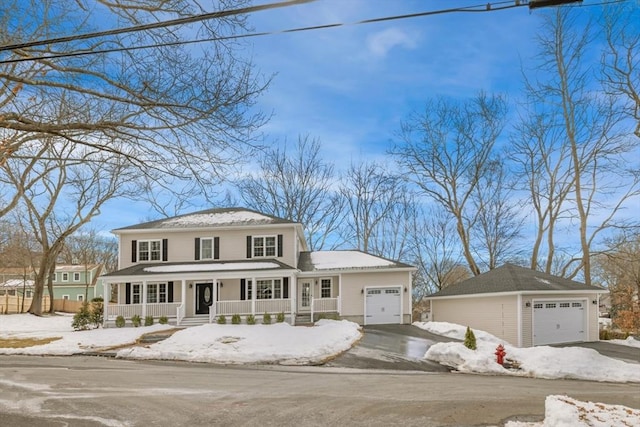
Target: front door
column 304, row 296
column 204, row 297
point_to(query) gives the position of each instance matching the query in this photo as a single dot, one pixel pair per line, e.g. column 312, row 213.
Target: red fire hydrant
column 500, row 353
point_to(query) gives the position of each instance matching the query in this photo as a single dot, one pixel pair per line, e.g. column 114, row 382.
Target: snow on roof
column 218, row 218
column 223, row 266
column 17, row 283
column 334, row 260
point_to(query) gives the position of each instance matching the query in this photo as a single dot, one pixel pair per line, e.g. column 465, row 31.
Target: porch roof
column 346, row 260
column 179, row 268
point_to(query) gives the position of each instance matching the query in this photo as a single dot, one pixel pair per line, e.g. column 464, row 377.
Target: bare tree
column 86, row 176
column 90, row 246
column 297, row 185
column 446, row 152
column 178, row 115
column 371, row 195
column 621, row 59
column 597, row 180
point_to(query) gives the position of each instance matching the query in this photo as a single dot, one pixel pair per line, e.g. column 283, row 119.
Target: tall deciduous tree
column 582, row 151
column 179, row 114
column 446, row 152
column 297, row 185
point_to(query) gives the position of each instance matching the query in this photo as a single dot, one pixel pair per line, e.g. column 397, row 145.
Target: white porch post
column 293, row 295
column 339, row 294
column 214, row 300
column 183, row 293
column 106, row 289
column 144, row 299
column 253, row 295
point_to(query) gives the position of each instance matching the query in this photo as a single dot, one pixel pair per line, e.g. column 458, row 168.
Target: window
column 565, row 305
column 392, row 291
column 76, row 277
column 550, row 305
column 65, row 297
column 156, row 292
column 576, row 304
column 265, row 246
column 538, row 305
column 266, row 289
column 55, row 277
column 65, row 277
column 325, row 288
column 80, row 297
column 206, row 248
column 149, row 250
column 28, row 294
column 135, row 293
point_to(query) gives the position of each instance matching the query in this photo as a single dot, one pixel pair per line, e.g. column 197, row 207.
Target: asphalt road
column 96, row 391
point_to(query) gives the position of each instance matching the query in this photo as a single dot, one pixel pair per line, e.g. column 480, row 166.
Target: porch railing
column 162, row 309
column 125, row 310
column 322, row 305
column 233, row 307
column 180, row 314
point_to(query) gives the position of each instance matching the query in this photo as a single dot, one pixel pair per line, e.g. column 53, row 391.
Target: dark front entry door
column 204, row 297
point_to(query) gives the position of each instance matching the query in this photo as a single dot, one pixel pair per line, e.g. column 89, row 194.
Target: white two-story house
column 193, row 268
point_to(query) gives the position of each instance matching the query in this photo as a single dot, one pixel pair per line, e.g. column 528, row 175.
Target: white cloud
column 380, row 43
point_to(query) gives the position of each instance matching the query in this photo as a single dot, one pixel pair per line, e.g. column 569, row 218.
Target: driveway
column 396, row 347
column 616, row 351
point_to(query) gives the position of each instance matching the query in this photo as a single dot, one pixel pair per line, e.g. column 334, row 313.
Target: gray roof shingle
column 513, row 278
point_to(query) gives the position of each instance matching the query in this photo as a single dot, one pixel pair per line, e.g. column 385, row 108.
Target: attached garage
column 559, row 321
column 524, row 307
column 383, row 305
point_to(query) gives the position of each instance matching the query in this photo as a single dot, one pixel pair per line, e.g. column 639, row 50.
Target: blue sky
column 352, row 86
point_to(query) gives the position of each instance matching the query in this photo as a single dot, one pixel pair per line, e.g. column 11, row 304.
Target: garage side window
column 325, row 288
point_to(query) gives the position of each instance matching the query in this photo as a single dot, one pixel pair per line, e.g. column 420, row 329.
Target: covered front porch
column 201, row 300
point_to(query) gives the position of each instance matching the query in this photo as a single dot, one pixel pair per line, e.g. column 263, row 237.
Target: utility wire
column 486, row 7
column 162, row 24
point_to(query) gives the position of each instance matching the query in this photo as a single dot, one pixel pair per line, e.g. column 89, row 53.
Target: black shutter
column 216, row 248
column 165, row 249
column 134, row 250
column 279, row 244
column 127, row 293
column 285, row 287
column 243, row 295
column 170, row 292
column 249, row 246
column 197, row 249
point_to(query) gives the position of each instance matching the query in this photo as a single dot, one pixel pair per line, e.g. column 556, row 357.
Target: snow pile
column 219, row 218
column 563, row 411
column 70, row 342
column 236, row 344
column 630, row 341
column 540, row 362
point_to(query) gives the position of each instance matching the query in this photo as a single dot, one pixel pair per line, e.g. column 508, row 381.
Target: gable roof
column 513, row 278
column 345, row 260
column 218, row 217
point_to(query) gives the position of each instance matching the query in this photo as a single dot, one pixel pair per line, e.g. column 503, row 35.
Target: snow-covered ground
column 278, row 343
column 285, row 344
column 568, row 362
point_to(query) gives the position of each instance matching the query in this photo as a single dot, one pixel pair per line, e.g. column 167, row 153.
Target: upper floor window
column 76, row 277
column 149, row 250
column 65, row 277
column 265, row 246
column 55, row 277
column 207, row 248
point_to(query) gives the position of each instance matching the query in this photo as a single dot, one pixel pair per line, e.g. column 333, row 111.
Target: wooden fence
column 10, row 304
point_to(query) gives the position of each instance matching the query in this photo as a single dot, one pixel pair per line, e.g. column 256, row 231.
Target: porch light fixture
column 527, row 304
column 405, row 289
column 594, row 302
column 362, row 291
column 190, row 285
column 221, row 284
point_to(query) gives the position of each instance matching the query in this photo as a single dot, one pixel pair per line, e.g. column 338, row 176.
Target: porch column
column 183, row 293
column 253, row 295
column 106, row 290
column 339, row 294
column 293, row 295
column 214, row 299
column 144, row 299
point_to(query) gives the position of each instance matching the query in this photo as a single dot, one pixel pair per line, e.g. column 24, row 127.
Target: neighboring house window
column 28, row 294
column 325, row 288
column 149, row 250
column 135, row 293
column 264, row 246
column 65, row 297
column 80, row 297
column 55, row 277
column 65, row 277
column 269, row 289
column 156, row 292
column 76, row 277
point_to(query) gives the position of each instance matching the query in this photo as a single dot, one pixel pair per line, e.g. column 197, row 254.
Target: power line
column 155, row 25
column 485, row 7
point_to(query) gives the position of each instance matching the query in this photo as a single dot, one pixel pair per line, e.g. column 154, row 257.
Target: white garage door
column 382, row 306
column 559, row 322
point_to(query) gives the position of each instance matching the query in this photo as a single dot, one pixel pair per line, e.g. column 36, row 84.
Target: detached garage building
column 522, row 306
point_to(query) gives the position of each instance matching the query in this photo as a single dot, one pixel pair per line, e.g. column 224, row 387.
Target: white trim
column 65, row 297
column 264, row 238
column 214, row 229
column 80, row 297
column 587, row 302
column 364, row 302
column 74, row 276
column 62, row 279
column 203, row 275
column 138, row 260
column 213, row 250
column 519, row 319
column 330, row 279
column 358, row 270
column 339, row 294
column 523, row 293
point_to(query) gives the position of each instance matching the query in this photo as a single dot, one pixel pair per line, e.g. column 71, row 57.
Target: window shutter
column 134, row 250
column 249, row 241
column 169, row 291
column 165, row 249
column 243, row 295
column 127, row 293
column 216, row 248
column 197, row 249
column 285, row 287
column 279, row 245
